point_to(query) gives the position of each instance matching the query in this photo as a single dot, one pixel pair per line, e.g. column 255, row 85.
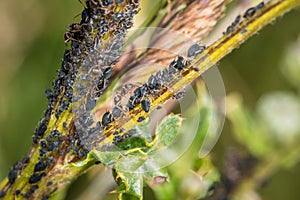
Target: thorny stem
column 63, row 172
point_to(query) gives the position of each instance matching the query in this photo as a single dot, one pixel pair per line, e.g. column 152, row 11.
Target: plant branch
column 30, row 178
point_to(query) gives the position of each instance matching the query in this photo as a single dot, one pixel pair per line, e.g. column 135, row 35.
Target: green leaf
column 167, row 131
column 133, row 143
column 131, row 167
column 143, row 129
column 106, row 157
column 130, row 185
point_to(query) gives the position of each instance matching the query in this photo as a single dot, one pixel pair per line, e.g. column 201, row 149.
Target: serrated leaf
column 135, row 165
column 167, row 131
column 130, row 185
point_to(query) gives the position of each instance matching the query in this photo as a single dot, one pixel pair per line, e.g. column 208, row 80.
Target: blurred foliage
column 264, row 72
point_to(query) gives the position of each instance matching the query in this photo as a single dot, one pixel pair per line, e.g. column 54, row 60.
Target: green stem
column 67, row 168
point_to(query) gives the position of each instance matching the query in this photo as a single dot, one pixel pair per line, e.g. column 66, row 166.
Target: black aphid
column 172, row 68
column 102, row 22
column 140, row 119
column 179, row 64
column 229, row 30
column 117, row 139
column 85, row 15
column 106, row 119
column 250, row 12
column 103, row 30
column 237, row 20
column 43, row 144
column 144, row 89
column 34, row 178
column 31, row 191
column 116, row 133
column 69, row 94
column 49, row 93
column 41, row 129
column 159, row 107
column 39, row 166
column 260, row 5
column 130, row 105
column 244, row 31
column 179, row 95
column 103, row 84
column 132, row 102
column 118, row 16
column 145, row 105
column 42, row 152
column 65, row 104
column 55, row 133
column 90, row 104
column 153, row 82
column 116, row 112
column 12, row 175
column 138, row 92
column 107, row 2
column 75, row 27
column 66, row 66
column 54, row 145
column 49, row 183
column 165, row 76
column 107, row 73
column 195, row 49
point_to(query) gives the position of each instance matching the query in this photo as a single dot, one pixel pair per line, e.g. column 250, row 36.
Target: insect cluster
column 96, row 66
column 248, row 14
column 143, row 95
column 84, row 75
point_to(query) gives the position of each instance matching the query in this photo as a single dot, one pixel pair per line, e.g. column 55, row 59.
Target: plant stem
column 69, row 167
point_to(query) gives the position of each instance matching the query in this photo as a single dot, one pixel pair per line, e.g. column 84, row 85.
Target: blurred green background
column 31, row 47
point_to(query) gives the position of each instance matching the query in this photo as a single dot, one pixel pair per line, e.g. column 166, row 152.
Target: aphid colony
column 93, row 62
column 248, row 14
column 96, row 69
column 143, row 95
column 83, row 76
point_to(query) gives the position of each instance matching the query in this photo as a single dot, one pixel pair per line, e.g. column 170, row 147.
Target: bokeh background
column 32, row 44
